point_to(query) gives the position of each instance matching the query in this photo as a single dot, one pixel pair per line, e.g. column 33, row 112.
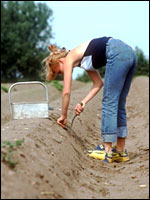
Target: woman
column 120, row 62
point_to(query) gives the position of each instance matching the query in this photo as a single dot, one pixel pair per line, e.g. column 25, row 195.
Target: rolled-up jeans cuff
column 109, row 137
column 122, row 131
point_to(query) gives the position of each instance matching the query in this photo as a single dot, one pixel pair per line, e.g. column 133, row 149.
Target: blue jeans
column 120, row 67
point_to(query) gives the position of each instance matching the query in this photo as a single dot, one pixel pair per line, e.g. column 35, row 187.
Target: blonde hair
column 55, row 54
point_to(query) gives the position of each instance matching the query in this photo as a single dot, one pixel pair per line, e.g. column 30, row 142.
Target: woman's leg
column 122, row 119
column 119, row 62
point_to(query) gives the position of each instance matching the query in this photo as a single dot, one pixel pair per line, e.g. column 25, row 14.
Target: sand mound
column 52, row 163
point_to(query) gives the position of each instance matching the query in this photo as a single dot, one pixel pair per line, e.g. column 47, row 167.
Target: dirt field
column 52, row 163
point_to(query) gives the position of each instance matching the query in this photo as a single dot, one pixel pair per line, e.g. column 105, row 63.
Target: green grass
column 57, row 85
column 7, row 150
column 4, row 88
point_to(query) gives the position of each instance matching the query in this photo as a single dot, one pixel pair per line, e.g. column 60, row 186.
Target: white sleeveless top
column 86, row 63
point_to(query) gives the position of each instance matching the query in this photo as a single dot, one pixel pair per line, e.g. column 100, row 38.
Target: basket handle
column 25, row 83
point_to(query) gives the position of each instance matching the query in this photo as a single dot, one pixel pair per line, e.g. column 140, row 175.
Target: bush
column 84, row 77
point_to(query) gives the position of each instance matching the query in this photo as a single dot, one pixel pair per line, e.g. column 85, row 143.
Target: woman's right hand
column 79, row 108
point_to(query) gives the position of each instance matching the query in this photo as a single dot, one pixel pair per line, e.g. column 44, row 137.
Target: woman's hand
column 62, row 121
column 79, row 108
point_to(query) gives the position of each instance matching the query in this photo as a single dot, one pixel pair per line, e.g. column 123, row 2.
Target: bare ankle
column 120, row 144
column 118, row 149
column 108, row 147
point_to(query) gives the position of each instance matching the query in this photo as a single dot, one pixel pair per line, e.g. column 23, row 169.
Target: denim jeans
column 120, row 67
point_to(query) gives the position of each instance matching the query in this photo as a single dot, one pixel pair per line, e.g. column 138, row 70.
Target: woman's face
column 55, row 68
column 59, row 67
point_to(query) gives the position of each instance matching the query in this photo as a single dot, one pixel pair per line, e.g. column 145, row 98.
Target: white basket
column 21, row 110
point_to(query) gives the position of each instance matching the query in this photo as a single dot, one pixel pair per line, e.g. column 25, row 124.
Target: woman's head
column 51, row 62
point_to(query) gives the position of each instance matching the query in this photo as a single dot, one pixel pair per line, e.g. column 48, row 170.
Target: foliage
column 7, row 149
column 142, row 63
column 25, row 32
column 4, row 88
column 57, row 85
column 84, row 77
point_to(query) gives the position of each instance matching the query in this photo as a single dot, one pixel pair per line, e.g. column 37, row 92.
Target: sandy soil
column 52, row 163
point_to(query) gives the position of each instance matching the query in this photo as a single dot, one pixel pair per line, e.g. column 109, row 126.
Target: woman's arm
column 68, row 67
column 97, row 85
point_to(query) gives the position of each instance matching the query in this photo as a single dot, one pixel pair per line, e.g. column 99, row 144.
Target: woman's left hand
column 62, row 121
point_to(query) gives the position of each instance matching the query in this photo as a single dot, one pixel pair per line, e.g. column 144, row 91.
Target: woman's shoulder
column 78, row 52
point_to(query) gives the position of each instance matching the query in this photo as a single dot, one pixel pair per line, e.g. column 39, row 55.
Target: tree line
column 25, row 32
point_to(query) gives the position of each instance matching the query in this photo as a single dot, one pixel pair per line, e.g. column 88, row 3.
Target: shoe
column 101, row 155
column 120, row 156
column 97, row 149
